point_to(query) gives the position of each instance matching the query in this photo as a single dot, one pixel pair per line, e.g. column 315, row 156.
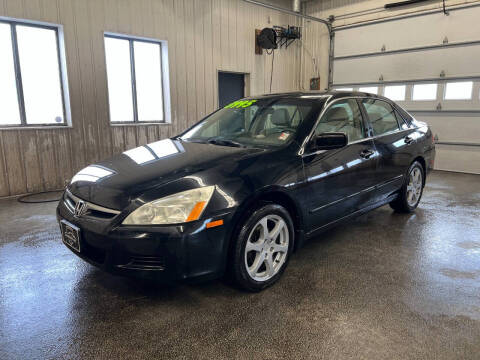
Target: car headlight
column 174, row 209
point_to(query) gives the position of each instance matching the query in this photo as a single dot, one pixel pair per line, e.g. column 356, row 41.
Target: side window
column 343, row 116
column 403, row 117
column 382, row 116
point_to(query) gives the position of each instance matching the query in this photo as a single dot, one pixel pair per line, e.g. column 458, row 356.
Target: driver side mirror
column 328, row 141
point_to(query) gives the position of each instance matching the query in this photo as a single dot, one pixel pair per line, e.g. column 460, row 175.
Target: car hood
column 113, row 183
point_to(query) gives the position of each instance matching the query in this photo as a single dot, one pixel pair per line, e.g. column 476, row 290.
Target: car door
column 394, row 140
column 337, row 178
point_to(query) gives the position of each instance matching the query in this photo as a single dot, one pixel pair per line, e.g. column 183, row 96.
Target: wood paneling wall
column 203, row 36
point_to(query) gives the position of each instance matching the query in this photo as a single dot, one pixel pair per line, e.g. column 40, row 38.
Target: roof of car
column 317, row 94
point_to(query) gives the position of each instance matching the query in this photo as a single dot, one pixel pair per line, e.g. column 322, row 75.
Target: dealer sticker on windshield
column 240, row 104
column 283, row 136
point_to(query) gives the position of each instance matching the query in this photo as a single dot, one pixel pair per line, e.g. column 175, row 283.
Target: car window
column 382, row 116
column 402, row 114
column 263, row 122
column 277, row 118
column 343, row 116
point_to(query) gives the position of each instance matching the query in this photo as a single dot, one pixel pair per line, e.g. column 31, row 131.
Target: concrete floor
column 385, row 286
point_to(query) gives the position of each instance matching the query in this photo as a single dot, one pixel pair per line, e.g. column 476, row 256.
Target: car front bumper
column 161, row 253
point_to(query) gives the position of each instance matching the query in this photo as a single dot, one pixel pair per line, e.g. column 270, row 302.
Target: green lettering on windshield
column 240, row 104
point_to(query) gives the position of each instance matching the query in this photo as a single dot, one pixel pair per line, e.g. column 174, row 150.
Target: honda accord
column 240, row 191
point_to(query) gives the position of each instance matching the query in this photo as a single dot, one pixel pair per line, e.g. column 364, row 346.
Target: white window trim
column 399, row 84
column 444, row 94
column 167, row 111
column 63, row 77
column 453, row 105
column 378, row 86
column 437, row 89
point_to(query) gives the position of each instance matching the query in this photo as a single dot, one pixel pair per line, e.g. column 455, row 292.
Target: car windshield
column 253, row 122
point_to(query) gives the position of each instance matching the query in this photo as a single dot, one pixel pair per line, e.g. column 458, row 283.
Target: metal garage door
column 429, row 64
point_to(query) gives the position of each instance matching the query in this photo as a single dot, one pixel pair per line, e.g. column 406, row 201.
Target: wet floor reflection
column 385, row 284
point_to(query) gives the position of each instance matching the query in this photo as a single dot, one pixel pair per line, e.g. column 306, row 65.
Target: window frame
column 62, row 69
column 344, row 88
column 437, row 86
column 405, row 92
column 364, row 121
column 396, row 114
column 164, row 73
column 431, row 106
column 456, row 82
column 378, row 87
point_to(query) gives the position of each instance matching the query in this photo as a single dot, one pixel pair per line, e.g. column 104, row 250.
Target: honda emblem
column 80, row 208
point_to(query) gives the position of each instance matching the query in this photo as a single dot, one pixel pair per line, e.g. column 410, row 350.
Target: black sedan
column 245, row 187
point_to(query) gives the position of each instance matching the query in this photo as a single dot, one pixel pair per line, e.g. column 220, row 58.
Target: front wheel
column 412, row 190
column 263, row 247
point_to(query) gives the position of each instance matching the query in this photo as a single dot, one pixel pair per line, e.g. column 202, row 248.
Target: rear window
column 404, row 115
column 381, row 115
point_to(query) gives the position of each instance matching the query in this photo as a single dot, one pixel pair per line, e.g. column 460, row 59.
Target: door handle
column 366, row 153
column 408, row 140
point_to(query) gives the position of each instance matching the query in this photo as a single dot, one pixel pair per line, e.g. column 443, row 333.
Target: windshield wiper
column 224, row 142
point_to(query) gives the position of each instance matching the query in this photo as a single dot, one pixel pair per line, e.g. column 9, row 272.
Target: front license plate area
column 70, row 235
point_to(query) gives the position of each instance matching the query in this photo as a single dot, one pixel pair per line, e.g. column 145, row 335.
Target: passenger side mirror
column 328, row 141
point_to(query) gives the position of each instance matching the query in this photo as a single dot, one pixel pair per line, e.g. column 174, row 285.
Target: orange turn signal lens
column 196, row 211
column 214, row 224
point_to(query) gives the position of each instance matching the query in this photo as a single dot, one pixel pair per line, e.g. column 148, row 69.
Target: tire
column 411, row 191
column 259, row 259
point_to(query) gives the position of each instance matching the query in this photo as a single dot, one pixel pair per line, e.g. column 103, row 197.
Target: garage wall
column 203, row 36
column 409, row 49
column 348, row 12
column 314, row 53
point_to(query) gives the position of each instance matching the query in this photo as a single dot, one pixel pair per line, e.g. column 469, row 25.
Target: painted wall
column 203, row 36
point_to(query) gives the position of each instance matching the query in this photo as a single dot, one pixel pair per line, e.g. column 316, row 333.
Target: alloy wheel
column 414, row 187
column 267, row 248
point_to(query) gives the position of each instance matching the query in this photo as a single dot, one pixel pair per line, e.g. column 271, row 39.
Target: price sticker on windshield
column 240, row 104
column 283, row 136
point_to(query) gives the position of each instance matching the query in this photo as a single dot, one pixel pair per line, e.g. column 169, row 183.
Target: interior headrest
column 280, row 117
column 337, row 114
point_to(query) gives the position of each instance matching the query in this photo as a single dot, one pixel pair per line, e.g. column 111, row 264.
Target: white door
column 430, row 65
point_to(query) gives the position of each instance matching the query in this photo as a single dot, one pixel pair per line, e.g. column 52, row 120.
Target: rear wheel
column 263, row 246
column 411, row 191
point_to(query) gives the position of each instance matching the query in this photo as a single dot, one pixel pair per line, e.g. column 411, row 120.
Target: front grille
column 145, row 263
column 88, row 209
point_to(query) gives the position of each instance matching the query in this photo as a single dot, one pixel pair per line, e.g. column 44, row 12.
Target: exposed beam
column 291, row 12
